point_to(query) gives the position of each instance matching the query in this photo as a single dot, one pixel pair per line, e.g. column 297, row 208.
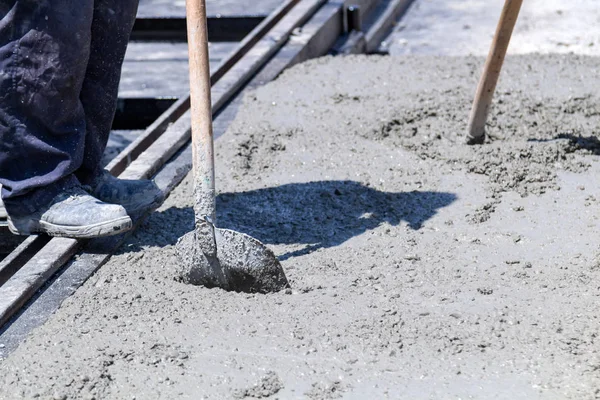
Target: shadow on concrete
column 317, row 214
column 589, row 143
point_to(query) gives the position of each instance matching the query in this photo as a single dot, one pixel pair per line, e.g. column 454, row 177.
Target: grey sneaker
column 135, row 196
column 74, row 214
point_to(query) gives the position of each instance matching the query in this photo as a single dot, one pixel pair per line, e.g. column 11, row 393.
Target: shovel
column 491, row 72
column 210, row 256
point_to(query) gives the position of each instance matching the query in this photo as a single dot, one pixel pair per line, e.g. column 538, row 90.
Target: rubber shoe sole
column 108, row 228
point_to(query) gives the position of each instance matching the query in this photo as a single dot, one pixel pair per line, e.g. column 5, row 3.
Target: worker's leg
column 111, row 28
column 44, row 51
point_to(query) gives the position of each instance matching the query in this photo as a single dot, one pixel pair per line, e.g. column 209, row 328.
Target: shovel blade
column 197, row 267
column 250, row 266
column 241, row 264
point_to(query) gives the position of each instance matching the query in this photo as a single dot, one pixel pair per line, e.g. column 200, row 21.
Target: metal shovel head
column 241, row 264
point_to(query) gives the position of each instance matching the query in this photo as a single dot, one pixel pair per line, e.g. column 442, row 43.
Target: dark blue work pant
column 60, row 65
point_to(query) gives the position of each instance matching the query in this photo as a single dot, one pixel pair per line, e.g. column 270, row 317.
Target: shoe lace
column 71, row 195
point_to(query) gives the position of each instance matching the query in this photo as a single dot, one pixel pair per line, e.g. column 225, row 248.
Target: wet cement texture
column 420, row 268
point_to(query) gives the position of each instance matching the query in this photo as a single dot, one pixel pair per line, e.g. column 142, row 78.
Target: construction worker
column 60, row 65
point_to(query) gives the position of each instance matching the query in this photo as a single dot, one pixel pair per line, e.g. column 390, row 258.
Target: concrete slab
column 464, row 27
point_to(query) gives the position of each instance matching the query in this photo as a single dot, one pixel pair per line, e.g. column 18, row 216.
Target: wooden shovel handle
column 201, row 110
column 491, row 72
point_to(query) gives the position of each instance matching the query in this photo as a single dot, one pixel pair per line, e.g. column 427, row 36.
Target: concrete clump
column 268, row 385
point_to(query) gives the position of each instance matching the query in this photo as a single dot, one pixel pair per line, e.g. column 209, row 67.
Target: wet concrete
column 420, row 268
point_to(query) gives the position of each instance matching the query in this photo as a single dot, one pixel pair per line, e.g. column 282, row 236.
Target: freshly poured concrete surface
column 421, row 268
column 466, row 27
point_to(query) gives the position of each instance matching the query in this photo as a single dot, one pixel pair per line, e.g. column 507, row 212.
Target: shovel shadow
column 323, row 214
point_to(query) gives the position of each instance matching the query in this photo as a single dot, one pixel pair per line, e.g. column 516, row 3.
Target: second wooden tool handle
column 491, row 71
